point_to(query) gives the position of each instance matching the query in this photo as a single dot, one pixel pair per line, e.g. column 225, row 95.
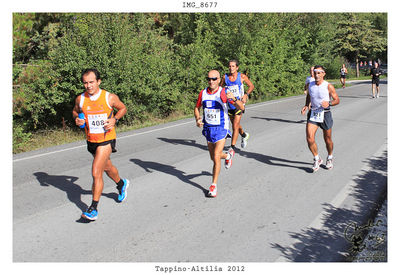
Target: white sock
column 316, row 157
column 330, row 157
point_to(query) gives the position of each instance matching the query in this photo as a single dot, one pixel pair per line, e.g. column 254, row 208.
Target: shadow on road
column 301, row 121
column 368, row 81
column 269, row 160
column 150, row 166
column 358, row 82
column 68, row 185
column 343, row 230
column 188, row 142
column 353, row 96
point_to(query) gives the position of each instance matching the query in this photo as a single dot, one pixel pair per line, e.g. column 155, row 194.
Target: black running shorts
column 92, row 146
column 235, row 112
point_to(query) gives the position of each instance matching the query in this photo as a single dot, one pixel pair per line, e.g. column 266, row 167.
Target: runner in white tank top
column 318, row 103
column 318, row 94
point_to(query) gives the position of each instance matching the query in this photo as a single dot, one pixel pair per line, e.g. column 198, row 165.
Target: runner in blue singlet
column 234, row 83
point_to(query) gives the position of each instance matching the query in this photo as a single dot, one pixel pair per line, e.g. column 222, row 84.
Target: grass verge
column 47, row 138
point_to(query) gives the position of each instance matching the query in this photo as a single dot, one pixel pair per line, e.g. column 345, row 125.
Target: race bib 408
column 96, row 123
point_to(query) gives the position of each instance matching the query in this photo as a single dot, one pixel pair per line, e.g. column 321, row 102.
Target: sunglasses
column 211, row 78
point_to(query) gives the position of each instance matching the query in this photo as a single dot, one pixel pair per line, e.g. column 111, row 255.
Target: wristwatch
column 116, row 120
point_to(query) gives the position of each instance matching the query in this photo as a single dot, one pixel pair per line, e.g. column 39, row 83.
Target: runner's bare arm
column 236, row 102
column 197, row 117
column 249, row 90
column 306, row 88
column 332, row 93
column 116, row 103
column 75, row 112
column 249, row 84
column 306, row 105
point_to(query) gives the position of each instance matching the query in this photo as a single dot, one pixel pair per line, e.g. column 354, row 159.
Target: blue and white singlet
column 235, row 87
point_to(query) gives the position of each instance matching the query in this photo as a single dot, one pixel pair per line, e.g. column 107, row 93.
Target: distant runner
column 98, row 105
column 343, row 73
column 319, row 95
column 375, row 73
column 213, row 100
column 234, row 83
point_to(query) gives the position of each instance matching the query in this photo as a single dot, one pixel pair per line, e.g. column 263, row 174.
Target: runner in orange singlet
column 98, row 105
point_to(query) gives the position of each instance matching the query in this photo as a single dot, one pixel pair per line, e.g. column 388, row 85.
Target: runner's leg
column 99, row 163
column 373, row 90
column 328, row 141
column 216, row 155
column 377, row 90
column 311, row 129
column 112, row 171
column 235, row 128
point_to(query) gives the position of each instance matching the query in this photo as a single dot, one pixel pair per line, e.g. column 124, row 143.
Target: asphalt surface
column 270, row 206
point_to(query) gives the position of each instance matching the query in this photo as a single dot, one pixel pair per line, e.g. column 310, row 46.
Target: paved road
column 270, row 207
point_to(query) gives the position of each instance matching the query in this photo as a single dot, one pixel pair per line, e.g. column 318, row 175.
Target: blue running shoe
column 90, row 214
column 123, row 193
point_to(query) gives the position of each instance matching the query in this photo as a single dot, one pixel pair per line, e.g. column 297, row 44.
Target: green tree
column 22, row 31
column 34, row 34
column 356, row 37
column 196, row 59
column 135, row 59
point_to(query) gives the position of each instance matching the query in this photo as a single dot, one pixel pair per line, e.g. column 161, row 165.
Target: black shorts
column 343, row 76
column 92, row 146
column 235, row 112
column 328, row 121
column 375, row 81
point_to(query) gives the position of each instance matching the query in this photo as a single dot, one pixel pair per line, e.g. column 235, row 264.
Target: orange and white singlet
column 97, row 110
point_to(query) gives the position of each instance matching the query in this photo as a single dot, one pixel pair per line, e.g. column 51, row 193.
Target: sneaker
column 123, row 193
column 90, row 214
column 329, row 164
column 212, row 192
column 316, row 165
column 244, row 140
column 228, row 162
column 377, row 96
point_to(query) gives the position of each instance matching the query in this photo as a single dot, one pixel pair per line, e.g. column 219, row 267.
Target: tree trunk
column 357, row 68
